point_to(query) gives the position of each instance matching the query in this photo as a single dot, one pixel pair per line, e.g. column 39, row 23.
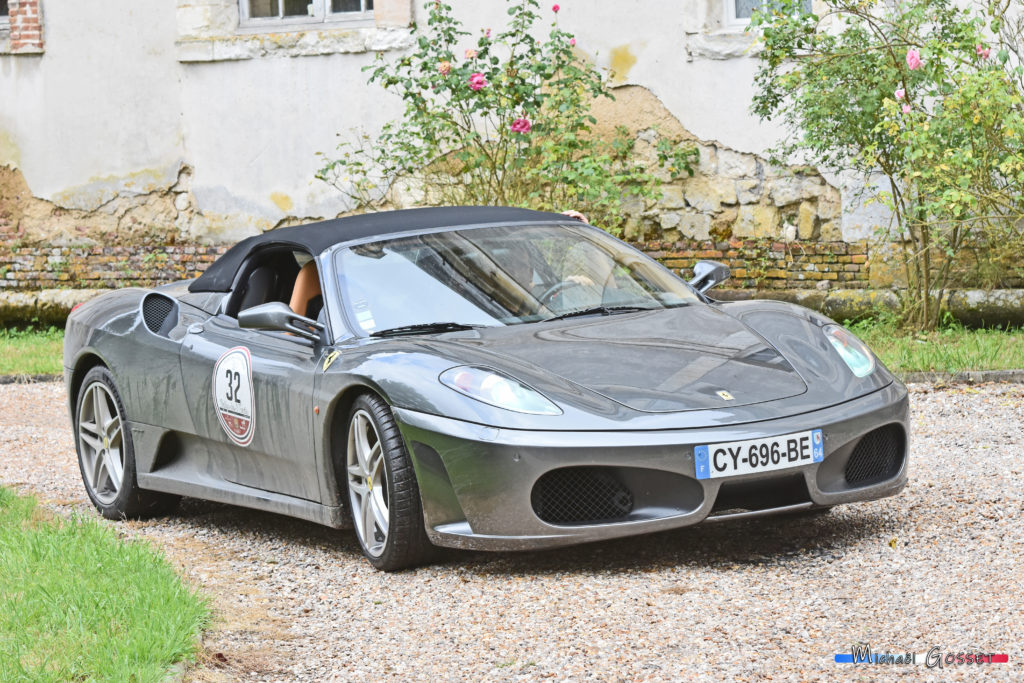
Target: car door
column 251, row 397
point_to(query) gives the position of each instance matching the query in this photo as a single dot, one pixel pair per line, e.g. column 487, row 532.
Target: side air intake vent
column 160, row 313
column 581, row 495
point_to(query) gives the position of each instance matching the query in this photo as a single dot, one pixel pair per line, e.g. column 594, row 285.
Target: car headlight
column 853, row 351
column 497, row 389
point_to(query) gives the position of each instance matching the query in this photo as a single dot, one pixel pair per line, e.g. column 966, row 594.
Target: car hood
column 689, row 358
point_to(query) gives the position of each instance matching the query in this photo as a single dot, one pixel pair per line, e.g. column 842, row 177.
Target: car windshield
column 498, row 276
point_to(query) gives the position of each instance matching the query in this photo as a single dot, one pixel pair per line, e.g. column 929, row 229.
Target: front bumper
column 476, row 482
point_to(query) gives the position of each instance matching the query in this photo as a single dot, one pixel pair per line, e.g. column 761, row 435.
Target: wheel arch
column 336, row 433
column 86, row 361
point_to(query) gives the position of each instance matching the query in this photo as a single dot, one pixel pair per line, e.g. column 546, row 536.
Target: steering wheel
column 556, row 289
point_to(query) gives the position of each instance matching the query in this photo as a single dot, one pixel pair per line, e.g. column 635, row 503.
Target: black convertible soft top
column 316, row 237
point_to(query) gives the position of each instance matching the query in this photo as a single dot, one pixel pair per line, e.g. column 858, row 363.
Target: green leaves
column 455, row 144
column 946, row 135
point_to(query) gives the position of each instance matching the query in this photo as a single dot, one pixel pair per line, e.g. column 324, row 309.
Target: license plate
column 758, row 455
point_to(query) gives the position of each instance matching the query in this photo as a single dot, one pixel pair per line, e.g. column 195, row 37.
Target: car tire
column 106, row 455
column 388, row 518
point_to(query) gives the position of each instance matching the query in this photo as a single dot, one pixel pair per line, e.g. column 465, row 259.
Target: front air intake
column 877, row 457
column 581, row 495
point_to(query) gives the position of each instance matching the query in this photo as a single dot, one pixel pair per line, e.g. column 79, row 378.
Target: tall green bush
column 506, row 121
column 925, row 95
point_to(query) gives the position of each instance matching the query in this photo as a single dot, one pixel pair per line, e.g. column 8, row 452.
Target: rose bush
column 909, row 92
column 508, row 124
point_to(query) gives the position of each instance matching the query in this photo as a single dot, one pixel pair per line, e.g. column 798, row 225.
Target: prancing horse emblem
column 725, row 395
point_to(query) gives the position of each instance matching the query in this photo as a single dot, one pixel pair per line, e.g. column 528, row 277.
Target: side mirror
column 278, row 317
column 708, row 274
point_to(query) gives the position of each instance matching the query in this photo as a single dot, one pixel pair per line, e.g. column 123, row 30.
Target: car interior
column 281, row 274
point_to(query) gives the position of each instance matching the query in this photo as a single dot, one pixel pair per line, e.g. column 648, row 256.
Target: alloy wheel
column 367, row 483
column 101, row 443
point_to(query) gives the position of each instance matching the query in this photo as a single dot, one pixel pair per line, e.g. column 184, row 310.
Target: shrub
column 922, row 95
column 505, row 122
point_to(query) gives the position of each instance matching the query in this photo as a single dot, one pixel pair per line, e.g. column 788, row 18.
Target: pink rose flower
column 983, row 51
column 470, row 54
column 477, row 81
column 487, row 33
column 555, row 9
column 444, row 68
column 913, row 59
column 572, row 42
column 900, row 93
column 521, row 125
column 906, row 108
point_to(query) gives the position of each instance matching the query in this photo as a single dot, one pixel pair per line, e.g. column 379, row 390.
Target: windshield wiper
column 600, row 310
column 424, row 328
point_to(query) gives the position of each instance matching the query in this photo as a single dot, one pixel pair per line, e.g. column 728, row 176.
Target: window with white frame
column 275, row 12
column 738, row 12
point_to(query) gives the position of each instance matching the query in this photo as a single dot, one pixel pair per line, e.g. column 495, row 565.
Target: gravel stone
column 773, row 598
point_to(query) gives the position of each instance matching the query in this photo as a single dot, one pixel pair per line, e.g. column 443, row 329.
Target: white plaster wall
column 100, row 108
column 680, row 53
column 253, row 129
column 109, row 107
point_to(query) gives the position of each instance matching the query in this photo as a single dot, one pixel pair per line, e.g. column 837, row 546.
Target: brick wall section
column 26, row 26
column 101, row 267
column 760, row 264
column 768, row 264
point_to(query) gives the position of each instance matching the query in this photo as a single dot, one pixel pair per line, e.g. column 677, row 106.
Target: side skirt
column 187, row 483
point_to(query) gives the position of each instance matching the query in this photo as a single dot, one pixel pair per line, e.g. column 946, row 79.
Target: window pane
column 346, row 6
column 3, row 10
column 744, row 8
column 296, row 8
column 262, row 8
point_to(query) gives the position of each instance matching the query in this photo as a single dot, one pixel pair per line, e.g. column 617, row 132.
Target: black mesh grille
column 155, row 310
column 877, row 457
column 581, row 495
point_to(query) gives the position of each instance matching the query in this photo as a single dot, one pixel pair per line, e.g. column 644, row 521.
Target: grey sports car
column 472, row 377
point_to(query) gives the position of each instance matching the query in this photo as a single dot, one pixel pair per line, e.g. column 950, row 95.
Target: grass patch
column 951, row 349
column 78, row 603
column 31, row 351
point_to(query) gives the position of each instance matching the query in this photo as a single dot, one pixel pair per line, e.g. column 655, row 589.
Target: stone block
column 669, row 220
column 749, row 190
column 757, row 220
column 807, row 221
column 736, row 164
column 828, row 208
column 812, row 187
column 707, row 164
column 785, row 191
column 707, row 194
column 672, row 197
column 830, row 232
column 695, row 226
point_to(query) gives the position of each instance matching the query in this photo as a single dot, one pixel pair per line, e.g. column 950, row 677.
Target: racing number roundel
column 232, row 394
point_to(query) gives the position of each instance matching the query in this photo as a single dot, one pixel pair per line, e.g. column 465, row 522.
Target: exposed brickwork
column 99, row 267
column 761, row 264
column 26, row 26
column 769, row 264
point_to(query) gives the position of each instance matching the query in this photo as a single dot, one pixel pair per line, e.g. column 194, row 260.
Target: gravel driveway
column 937, row 566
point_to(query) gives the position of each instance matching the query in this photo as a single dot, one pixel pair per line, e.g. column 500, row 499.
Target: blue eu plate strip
column 700, row 461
